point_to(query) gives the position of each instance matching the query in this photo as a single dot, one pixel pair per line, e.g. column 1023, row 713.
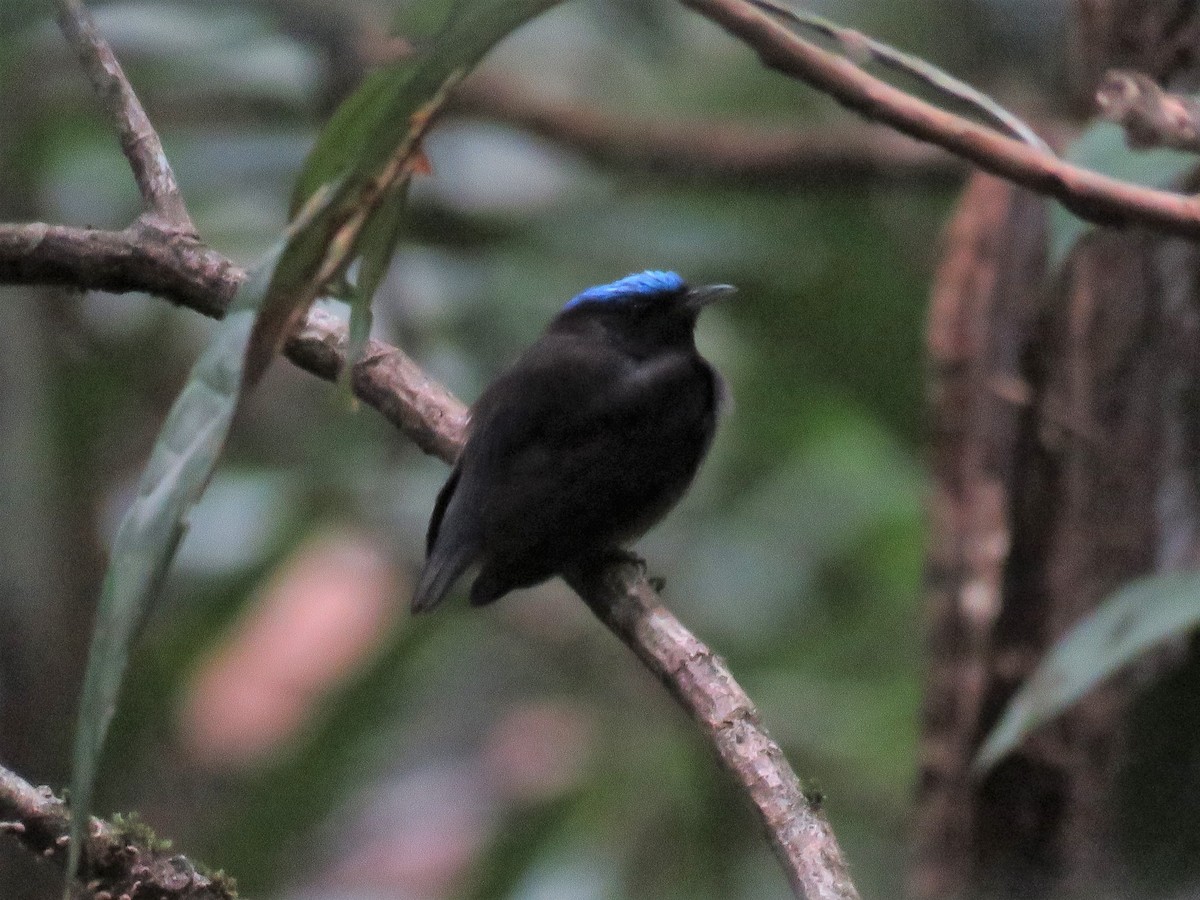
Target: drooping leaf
column 358, row 169
column 376, row 246
column 180, row 465
column 416, row 23
column 343, row 135
column 860, row 49
column 370, row 148
column 1134, row 619
column 1102, row 148
column 362, row 134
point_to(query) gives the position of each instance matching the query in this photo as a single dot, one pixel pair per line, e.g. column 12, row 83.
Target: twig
column 139, row 140
column 1094, row 197
column 1150, row 116
column 713, row 151
column 123, row 859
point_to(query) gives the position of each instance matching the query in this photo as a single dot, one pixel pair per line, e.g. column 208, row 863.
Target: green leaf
column 181, row 462
column 362, row 134
column 343, row 135
column 376, row 246
column 1130, row 622
column 370, row 148
column 418, row 22
column 1102, row 148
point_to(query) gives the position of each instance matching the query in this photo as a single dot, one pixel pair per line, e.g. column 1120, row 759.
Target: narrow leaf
column 1102, row 148
column 372, row 146
column 860, row 49
column 363, row 132
column 180, row 464
column 376, row 245
column 1130, row 622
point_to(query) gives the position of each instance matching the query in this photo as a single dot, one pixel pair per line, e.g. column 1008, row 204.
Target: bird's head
column 647, row 303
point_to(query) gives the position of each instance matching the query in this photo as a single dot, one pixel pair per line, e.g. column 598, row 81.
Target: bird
column 583, row 444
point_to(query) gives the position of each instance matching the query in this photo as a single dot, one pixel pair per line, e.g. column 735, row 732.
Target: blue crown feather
column 640, row 284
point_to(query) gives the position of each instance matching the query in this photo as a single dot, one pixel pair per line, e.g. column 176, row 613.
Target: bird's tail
column 442, row 568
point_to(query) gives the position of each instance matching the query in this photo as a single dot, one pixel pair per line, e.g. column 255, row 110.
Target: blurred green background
column 284, row 719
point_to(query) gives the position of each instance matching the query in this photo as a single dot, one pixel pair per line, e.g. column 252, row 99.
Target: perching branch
column 701, row 682
column 124, row 860
column 1150, row 116
column 139, row 140
column 1090, row 195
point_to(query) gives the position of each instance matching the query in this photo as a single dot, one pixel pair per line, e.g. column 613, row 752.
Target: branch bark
column 139, row 140
column 1091, row 196
column 700, row 681
column 123, row 858
column 143, row 257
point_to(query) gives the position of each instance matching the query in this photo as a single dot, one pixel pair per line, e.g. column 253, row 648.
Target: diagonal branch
column 125, row 859
column 701, row 682
column 1090, row 195
column 139, row 140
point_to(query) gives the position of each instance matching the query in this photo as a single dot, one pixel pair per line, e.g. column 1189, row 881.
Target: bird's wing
column 568, row 446
column 439, row 508
column 449, row 551
column 559, row 389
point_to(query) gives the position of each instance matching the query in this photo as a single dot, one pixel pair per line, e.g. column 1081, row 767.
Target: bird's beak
column 700, row 297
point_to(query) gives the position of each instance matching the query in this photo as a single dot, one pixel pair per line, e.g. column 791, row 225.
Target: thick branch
column 387, row 380
column 121, row 859
column 1088, row 194
column 143, row 257
column 701, row 682
column 139, row 141
column 722, row 152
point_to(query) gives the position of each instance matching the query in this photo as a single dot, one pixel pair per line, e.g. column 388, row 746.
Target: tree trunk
column 1064, row 449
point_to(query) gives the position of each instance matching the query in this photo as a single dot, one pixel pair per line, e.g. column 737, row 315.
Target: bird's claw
column 621, row 556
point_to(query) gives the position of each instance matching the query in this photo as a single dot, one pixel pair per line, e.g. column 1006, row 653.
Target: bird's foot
column 624, row 557
column 619, row 556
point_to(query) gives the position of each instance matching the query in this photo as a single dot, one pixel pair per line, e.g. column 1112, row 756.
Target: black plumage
column 582, row 445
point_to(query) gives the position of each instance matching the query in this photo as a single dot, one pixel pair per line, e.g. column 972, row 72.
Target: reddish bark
column 1064, row 450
